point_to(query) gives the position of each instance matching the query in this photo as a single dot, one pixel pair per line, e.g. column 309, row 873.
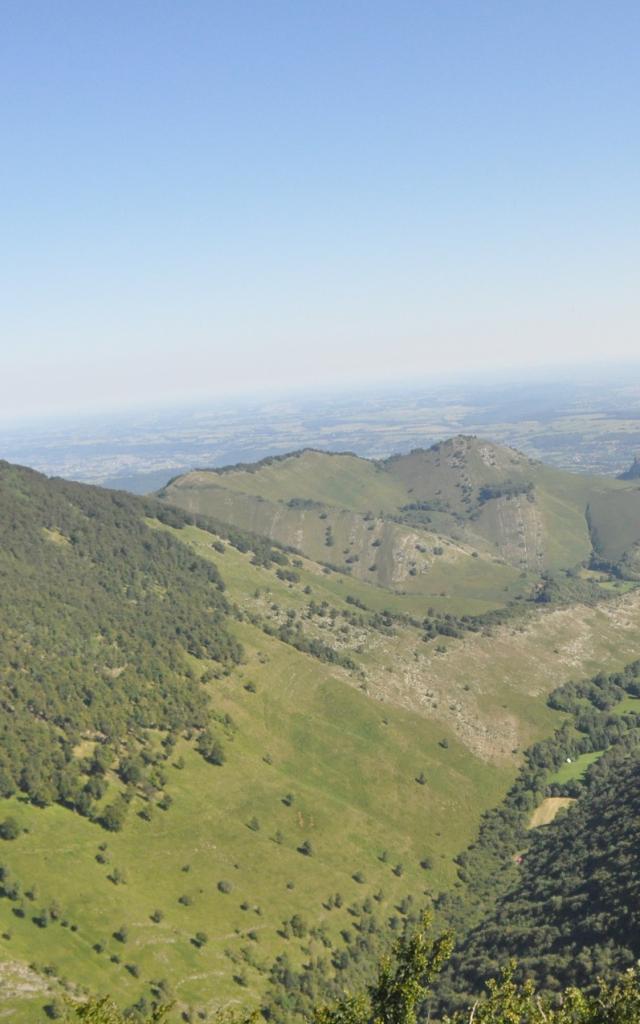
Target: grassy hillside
column 350, row 768
column 384, row 796
column 405, row 559
column 341, row 480
column 269, row 759
column 486, row 686
column 614, row 520
column 417, row 523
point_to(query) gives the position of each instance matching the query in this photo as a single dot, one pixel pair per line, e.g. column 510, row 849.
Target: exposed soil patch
column 548, row 809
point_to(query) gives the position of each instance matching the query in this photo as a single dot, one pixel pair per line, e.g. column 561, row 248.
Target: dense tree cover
column 296, row 637
column 437, row 624
column 507, row 489
column 602, row 692
column 571, row 915
column 400, row 985
column 98, row 613
column 568, row 587
column 591, row 727
column 348, row 964
column 291, row 631
column 401, row 991
column 506, row 853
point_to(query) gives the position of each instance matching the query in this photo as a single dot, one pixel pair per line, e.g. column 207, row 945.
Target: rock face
column 633, row 472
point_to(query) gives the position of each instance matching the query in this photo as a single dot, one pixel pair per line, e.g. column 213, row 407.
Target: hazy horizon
column 206, row 199
column 584, row 418
column 592, row 374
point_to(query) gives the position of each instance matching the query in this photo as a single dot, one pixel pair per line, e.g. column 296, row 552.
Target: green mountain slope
column 99, row 617
column 546, row 876
column 126, row 675
column 485, row 683
column 225, row 765
column 614, row 519
column 369, row 548
column 344, row 762
column 416, row 523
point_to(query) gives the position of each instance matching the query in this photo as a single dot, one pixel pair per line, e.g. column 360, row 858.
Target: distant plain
column 589, row 424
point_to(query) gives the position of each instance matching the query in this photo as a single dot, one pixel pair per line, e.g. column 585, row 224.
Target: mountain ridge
column 462, row 498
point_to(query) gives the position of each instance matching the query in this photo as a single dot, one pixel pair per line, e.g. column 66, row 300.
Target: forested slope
column 572, row 915
column 99, row 615
column 560, row 898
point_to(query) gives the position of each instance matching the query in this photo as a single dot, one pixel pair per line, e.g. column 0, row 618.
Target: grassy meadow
column 350, row 766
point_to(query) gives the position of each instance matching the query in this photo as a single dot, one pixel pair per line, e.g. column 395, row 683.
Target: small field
column 548, row 810
column 628, row 706
column 577, row 768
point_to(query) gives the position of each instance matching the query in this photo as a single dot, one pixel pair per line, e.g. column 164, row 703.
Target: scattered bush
column 9, row 829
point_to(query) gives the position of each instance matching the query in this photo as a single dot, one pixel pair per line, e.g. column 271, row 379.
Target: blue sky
column 198, row 198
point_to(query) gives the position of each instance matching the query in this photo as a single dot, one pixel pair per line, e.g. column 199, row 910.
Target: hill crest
column 461, row 498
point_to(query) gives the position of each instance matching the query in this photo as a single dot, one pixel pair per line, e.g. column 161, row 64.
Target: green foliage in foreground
column 403, row 983
column 105, row 1011
column 507, row 1002
column 403, row 980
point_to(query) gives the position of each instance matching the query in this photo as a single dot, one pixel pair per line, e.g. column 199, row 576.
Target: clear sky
column 198, row 197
